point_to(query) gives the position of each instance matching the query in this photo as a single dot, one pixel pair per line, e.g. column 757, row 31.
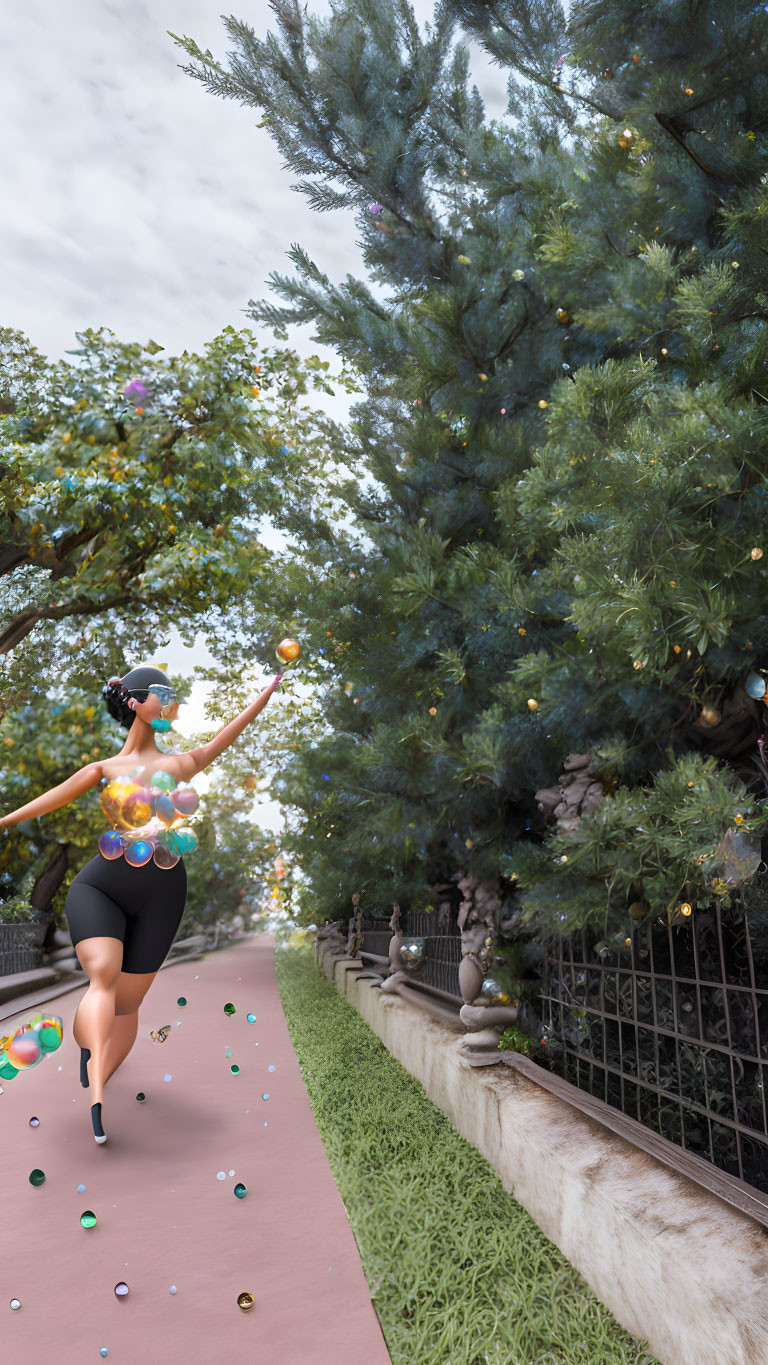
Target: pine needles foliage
column 553, row 541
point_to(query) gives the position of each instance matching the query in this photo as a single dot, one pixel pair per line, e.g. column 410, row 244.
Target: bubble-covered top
column 148, row 821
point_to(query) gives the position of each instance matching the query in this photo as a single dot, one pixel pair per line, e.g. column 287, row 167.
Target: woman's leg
column 130, row 991
column 101, row 959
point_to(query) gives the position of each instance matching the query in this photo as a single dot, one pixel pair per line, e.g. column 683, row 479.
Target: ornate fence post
column 396, row 970
column 355, row 935
column 485, row 1023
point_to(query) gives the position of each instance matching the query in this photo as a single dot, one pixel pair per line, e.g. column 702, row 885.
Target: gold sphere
column 709, row 716
column 288, row 650
column 756, row 553
column 543, row 403
column 533, row 705
column 686, row 909
column 563, row 317
column 638, row 910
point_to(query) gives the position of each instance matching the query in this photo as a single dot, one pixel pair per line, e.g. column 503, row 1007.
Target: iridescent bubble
column 121, row 1289
column 167, row 1078
column 235, row 1070
column 186, row 800
column 221, row 1175
column 164, row 781
column 141, row 1097
column 265, row 1097
column 270, row 1068
column 229, row 1008
column 252, row 1018
column 37, row 1177
column 138, row 852
column 110, row 844
column 15, row 1304
column 164, row 857
column 182, row 1000
column 88, row 1219
column 81, row 1189
column 172, row 1289
column 240, row 1191
column 34, row 1123
column 197, row 978
column 229, row 1052
column 104, row 1352
column 231, row 1173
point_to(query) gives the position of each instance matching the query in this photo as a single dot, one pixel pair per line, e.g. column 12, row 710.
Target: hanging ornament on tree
column 755, row 686
column 625, row 138
column 709, row 716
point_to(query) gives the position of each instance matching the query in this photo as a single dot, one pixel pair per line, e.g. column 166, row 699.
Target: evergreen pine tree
column 564, row 423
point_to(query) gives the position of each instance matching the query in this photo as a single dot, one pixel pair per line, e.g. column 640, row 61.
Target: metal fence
column 672, row 1030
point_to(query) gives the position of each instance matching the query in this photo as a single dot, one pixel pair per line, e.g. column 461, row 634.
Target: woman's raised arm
column 206, row 753
column 79, row 782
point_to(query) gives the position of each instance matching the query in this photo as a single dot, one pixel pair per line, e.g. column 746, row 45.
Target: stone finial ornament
column 479, row 920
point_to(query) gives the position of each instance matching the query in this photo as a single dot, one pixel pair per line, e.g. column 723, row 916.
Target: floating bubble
column 104, row 1352
column 235, row 1070
column 34, row 1123
column 265, row 1097
column 24, row 1050
column 251, row 1018
column 231, row 1173
column 88, row 1219
column 37, row 1177
column 121, row 1289
column 245, row 1301
column 81, row 1189
column 15, row 1304
column 270, row 1068
column 221, row 1175
column 229, row 1052
column 229, row 1008
column 141, row 1097
column 172, row 1289
column 240, row 1191
column 167, row 1078
column 197, row 978
column 182, row 1000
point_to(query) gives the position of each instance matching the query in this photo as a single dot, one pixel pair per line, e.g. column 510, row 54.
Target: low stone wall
column 676, row 1265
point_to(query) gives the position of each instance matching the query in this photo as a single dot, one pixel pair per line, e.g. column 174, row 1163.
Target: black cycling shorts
column 142, row 906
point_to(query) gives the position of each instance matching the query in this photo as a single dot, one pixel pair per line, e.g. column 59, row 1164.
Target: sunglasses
column 165, row 694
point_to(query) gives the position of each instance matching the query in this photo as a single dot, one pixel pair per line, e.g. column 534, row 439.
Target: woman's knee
column 101, row 959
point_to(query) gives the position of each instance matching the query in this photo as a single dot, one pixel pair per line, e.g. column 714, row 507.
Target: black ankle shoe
column 98, row 1130
column 84, row 1057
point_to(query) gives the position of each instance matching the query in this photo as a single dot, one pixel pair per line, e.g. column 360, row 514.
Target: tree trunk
column 48, row 883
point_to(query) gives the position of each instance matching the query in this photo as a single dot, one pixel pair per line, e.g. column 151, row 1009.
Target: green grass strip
column 459, row 1272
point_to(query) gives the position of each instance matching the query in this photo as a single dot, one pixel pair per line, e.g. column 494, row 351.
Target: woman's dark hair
column 117, row 689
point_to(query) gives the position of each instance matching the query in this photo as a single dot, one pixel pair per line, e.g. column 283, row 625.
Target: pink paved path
column 163, row 1217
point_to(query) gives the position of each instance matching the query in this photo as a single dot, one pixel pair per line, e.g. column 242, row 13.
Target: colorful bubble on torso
column 29, row 1045
column 148, row 821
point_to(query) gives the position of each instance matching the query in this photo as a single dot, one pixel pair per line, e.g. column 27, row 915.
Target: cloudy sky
column 135, row 200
